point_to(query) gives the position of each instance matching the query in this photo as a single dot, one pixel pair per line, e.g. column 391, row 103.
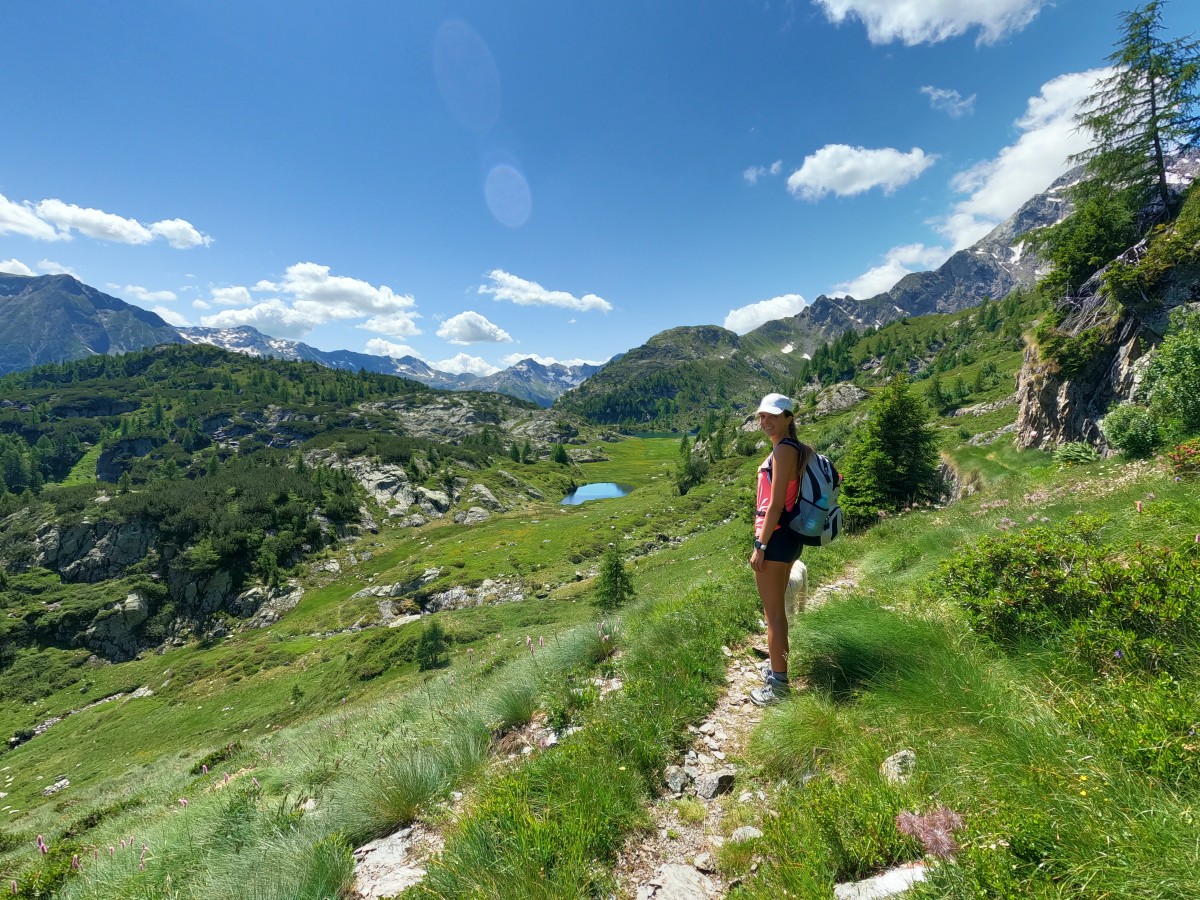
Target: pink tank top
column 764, row 489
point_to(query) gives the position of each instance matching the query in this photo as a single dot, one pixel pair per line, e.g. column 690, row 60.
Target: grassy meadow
column 262, row 759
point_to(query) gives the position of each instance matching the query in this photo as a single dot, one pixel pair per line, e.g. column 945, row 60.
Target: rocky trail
column 709, row 798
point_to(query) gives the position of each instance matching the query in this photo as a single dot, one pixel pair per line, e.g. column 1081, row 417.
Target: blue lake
column 599, row 490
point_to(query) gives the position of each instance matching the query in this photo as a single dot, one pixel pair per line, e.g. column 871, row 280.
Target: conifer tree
column 894, row 458
column 614, row 588
column 1145, row 110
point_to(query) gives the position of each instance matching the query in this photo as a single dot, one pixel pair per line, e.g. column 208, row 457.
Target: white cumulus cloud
column 747, row 318
column 898, row 262
column 471, row 328
column 513, row 358
column 171, row 316
column 529, row 293
column 930, row 21
column 997, row 187
column 464, row 364
column 145, row 296
column 18, row 218
column 232, row 296
column 273, row 317
column 380, row 347
column 180, row 234
column 14, row 267
column 310, row 296
column 949, row 101
column 846, row 171
column 55, row 220
column 50, row 267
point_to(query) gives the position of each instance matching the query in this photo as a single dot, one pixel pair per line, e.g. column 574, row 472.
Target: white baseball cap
column 775, row 404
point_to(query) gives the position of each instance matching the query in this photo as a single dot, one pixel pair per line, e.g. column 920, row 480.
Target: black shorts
column 784, row 546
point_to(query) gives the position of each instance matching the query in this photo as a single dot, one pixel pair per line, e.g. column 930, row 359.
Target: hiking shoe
column 772, row 692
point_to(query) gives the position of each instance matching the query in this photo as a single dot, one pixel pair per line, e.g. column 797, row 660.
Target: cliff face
column 1057, row 408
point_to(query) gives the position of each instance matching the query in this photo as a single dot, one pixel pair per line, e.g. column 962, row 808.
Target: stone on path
column 710, row 785
column 676, row 882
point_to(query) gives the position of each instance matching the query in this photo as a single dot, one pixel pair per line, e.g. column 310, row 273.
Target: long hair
column 806, row 452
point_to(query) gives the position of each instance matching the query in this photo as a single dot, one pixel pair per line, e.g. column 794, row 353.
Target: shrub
column 1173, row 375
column 1131, row 429
column 1185, row 458
column 1131, row 611
column 1075, row 453
column 431, row 648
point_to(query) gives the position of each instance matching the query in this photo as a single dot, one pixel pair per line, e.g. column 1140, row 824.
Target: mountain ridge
column 58, row 318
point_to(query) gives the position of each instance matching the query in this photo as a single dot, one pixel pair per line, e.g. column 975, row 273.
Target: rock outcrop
column 1055, row 408
column 91, row 552
column 113, row 633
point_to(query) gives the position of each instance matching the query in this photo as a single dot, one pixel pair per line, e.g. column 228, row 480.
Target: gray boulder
column 112, row 633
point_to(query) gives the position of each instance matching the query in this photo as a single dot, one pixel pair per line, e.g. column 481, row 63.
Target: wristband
column 759, row 545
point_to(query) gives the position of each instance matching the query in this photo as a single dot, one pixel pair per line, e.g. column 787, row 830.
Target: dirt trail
column 676, row 858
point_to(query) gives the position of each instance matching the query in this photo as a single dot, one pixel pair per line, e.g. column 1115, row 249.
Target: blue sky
column 477, row 182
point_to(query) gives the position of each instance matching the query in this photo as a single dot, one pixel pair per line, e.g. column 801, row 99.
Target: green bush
column 1131, row 429
column 1174, row 373
column 432, row 647
column 1114, row 611
column 1075, row 453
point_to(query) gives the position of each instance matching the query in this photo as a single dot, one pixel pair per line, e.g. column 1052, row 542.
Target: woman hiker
column 776, row 547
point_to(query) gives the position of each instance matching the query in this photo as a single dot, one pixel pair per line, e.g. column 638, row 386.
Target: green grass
column 1056, row 804
column 84, row 471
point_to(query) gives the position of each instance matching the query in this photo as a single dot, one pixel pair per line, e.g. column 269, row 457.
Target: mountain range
column 665, row 381
column 57, row 318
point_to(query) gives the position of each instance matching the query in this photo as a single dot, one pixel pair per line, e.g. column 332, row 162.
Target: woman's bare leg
column 772, row 581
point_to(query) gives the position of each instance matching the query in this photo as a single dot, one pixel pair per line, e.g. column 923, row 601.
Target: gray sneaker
column 772, row 692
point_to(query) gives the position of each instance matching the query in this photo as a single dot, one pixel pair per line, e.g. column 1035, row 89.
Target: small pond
column 599, row 490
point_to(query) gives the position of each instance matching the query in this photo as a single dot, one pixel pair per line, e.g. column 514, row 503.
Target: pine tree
column 893, row 460
column 1145, row 109
column 614, row 588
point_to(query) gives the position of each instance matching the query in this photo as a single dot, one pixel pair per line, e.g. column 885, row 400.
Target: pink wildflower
column 204, row 770
column 75, row 861
column 112, row 850
column 183, row 802
column 935, row 830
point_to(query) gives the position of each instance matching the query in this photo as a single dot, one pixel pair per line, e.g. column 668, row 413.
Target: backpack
column 816, row 515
